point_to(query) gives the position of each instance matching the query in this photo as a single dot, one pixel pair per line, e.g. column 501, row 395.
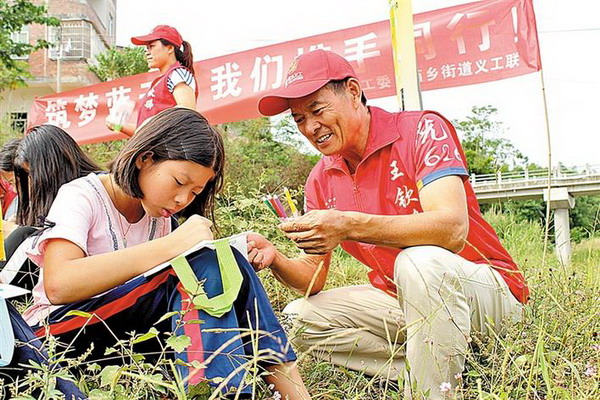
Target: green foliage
column 7, row 132
column 256, row 160
column 486, row 151
column 585, row 217
column 120, row 62
column 14, row 15
column 551, row 354
column 104, row 152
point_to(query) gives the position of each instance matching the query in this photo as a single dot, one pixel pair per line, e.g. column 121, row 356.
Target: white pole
column 58, row 59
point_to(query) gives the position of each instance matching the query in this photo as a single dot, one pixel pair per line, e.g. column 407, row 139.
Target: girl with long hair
column 42, row 161
column 105, row 231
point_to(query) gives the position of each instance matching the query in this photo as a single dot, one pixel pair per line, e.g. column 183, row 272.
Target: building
column 88, row 28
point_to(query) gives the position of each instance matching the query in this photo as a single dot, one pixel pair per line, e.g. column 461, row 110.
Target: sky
column 569, row 35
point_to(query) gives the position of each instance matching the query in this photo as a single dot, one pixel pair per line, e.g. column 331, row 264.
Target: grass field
column 554, row 353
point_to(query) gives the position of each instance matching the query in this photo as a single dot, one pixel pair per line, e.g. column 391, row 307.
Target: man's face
column 327, row 119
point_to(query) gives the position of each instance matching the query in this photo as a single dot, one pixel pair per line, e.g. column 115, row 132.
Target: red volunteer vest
column 158, row 98
column 7, row 195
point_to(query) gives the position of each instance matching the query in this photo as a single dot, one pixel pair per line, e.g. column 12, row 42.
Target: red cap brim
column 142, row 40
column 277, row 102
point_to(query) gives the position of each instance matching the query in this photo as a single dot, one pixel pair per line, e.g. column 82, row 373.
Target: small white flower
column 445, row 387
column 596, row 347
column 276, row 395
column 590, row 370
column 458, row 376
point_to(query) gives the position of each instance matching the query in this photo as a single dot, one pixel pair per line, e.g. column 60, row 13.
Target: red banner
column 462, row 45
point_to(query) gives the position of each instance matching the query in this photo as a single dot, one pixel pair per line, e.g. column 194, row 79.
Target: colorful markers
column 274, row 203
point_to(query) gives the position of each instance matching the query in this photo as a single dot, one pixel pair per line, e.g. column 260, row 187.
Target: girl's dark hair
column 175, row 134
column 185, row 57
column 53, row 158
column 7, row 154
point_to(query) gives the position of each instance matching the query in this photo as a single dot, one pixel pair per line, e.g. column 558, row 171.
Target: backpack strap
column 231, row 279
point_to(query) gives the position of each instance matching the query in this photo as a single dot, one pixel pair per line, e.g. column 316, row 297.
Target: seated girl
column 45, row 159
column 107, row 230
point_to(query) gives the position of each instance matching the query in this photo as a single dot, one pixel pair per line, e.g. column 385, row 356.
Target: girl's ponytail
column 185, row 57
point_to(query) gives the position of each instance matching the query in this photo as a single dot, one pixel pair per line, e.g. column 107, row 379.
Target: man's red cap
column 308, row 73
column 166, row 32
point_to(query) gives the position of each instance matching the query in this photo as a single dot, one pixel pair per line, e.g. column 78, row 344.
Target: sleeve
column 71, row 216
column 437, row 151
column 179, row 75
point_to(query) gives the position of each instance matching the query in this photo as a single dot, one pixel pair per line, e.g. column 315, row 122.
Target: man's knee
column 295, row 317
column 422, row 267
column 419, row 258
column 294, row 309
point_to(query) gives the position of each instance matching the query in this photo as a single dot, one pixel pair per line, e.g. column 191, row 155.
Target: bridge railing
column 533, row 176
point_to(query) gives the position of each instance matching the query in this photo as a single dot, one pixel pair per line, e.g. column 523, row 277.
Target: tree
column 120, row 62
column 257, row 161
column 486, row 150
column 14, row 15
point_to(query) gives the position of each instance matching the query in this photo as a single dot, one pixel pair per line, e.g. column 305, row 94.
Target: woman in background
column 176, row 86
column 8, row 194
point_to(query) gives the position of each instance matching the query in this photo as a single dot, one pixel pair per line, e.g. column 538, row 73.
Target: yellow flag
column 405, row 58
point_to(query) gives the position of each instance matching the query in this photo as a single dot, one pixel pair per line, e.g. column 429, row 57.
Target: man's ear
column 144, row 158
column 354, row 89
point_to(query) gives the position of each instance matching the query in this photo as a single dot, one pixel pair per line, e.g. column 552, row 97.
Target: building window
column 74, row 36
column 111, row 26
column 20, row 37
column 18, row 121
column 79, row 40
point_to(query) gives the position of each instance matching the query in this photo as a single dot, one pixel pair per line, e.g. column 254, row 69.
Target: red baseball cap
column 160, row 32
column 308, row 73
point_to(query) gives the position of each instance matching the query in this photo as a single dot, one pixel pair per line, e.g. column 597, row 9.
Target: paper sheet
column 239, row 242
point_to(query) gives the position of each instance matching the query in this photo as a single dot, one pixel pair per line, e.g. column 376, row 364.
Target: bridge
column 565, row 184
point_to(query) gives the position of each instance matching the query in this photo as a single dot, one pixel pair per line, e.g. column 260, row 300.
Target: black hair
column 7, row 155
column 46, row 159
column 339, row 87
column 185, row 57
column 175, row 134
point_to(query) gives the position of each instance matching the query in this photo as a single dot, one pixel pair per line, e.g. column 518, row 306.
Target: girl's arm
column 70, row 276
column 184, row 96
column 127, row 129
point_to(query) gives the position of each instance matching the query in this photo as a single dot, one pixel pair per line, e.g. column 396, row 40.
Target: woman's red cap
column 166, row 32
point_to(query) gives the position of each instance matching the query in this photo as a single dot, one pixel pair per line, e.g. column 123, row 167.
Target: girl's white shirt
column 84, row 214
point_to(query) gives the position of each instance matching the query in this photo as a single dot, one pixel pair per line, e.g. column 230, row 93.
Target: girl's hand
column 194, row 230
column 261, row 252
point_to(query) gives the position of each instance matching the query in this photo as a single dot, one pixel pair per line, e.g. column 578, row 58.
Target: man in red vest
column 393, row 190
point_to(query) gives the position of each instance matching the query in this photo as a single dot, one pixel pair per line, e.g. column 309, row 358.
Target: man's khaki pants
column 441, row 299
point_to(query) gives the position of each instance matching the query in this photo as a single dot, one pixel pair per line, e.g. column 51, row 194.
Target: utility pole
column 58, row 58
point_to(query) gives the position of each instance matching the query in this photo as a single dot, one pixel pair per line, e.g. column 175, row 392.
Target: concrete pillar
column 561, row 202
